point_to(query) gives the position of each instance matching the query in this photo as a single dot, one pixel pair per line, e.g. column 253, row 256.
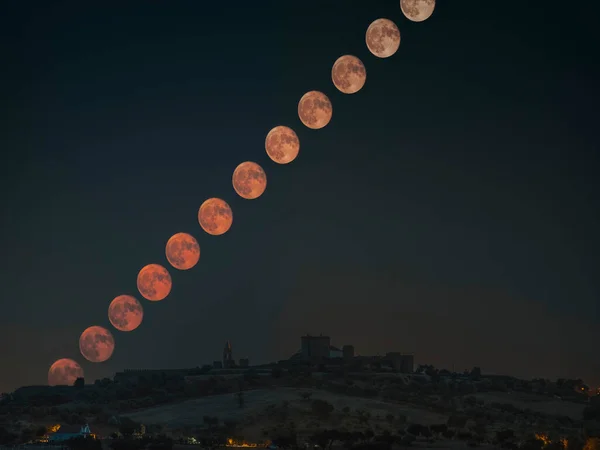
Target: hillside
column 224, row 406
column 267, row 411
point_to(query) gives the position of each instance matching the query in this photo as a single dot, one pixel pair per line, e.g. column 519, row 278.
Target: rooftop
column 69, row 429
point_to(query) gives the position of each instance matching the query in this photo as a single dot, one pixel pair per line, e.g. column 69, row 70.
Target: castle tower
column 227, row 356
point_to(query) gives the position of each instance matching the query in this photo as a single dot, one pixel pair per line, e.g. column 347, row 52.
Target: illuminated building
column 66, row 432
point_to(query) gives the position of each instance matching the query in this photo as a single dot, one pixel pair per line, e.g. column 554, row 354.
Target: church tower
column 227, row 356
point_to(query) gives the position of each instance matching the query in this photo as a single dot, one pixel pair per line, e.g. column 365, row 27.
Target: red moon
column 96, row 344
column 64, row 372
column 349, row 74
column 282, row 144
column 249, row 180
column 183, row 251
column 154, row 282
column 215, row 216
column 383, row 38
column 125, row 313
column 315, row 110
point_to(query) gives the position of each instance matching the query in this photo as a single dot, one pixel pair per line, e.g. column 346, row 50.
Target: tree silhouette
column 321, row 408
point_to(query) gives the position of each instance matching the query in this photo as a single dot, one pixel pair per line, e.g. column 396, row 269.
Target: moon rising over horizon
column 417, row 10
column 64, row 372
column 282, row 144
column 96, row 344
column 154, row 282
column 349, row 74
column 383, row 38
column 249, row 180
column 215, row 216
column 315, row 110
column 125, row 313
column 182, row 251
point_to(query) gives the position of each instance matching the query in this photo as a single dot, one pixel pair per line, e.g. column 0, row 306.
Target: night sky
column 449, row 208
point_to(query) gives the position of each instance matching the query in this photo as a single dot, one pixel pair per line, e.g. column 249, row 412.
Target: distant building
column 228, row 360
column 66, row 432
column 348, row 351
column 315, row 347
column 401, row 362
column 244, row 362
column 335, row 352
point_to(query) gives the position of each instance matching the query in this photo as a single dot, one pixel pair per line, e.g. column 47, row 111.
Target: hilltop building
column 348, row 352
column 315, row 347
column 401, row 362
column 228, row 361
column 318, row 349
column 335, row 352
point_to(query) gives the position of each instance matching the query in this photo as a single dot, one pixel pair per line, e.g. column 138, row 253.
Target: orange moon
column 215, row 216
column 154, row 282
column 125, row 313
column 64, row 372
column 96, row 344
column 417, row 10
column 183, row 251
column 249, row 180
column 383, row 38
column 315, row 110
column 349, row 74
column 282, row 144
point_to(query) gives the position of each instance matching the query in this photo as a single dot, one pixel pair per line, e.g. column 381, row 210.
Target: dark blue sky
column 449, row 208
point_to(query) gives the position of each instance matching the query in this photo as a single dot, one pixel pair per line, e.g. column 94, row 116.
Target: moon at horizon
column 249, row 180
column 154, row 282
column 348, row 74
column 215, row 216
column 282, row 144
column 64, row 372
column 383, row 38
column 96, row 344
column 125, row 313
column 182, row 251
column 315, row 110
column 417, row 10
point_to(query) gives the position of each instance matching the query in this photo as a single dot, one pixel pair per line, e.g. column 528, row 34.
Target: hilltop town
column 321, row 396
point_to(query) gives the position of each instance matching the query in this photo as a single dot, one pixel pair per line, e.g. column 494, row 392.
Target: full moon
column 315, row 110
column 125, row 313
column 64, row 372
column 249, row 180
column 96, row 344
column 349, row 74
column 154, row 282
column 417, row 10
column 215, row 216
column 183, row 251
column 383, row 38
column 282, row 144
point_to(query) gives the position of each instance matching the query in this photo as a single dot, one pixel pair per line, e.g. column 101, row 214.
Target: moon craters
column 348, row 74
column 383, row 38
column 282, row 144
column 249, row 180
column 315, row 110
column 417, row 10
